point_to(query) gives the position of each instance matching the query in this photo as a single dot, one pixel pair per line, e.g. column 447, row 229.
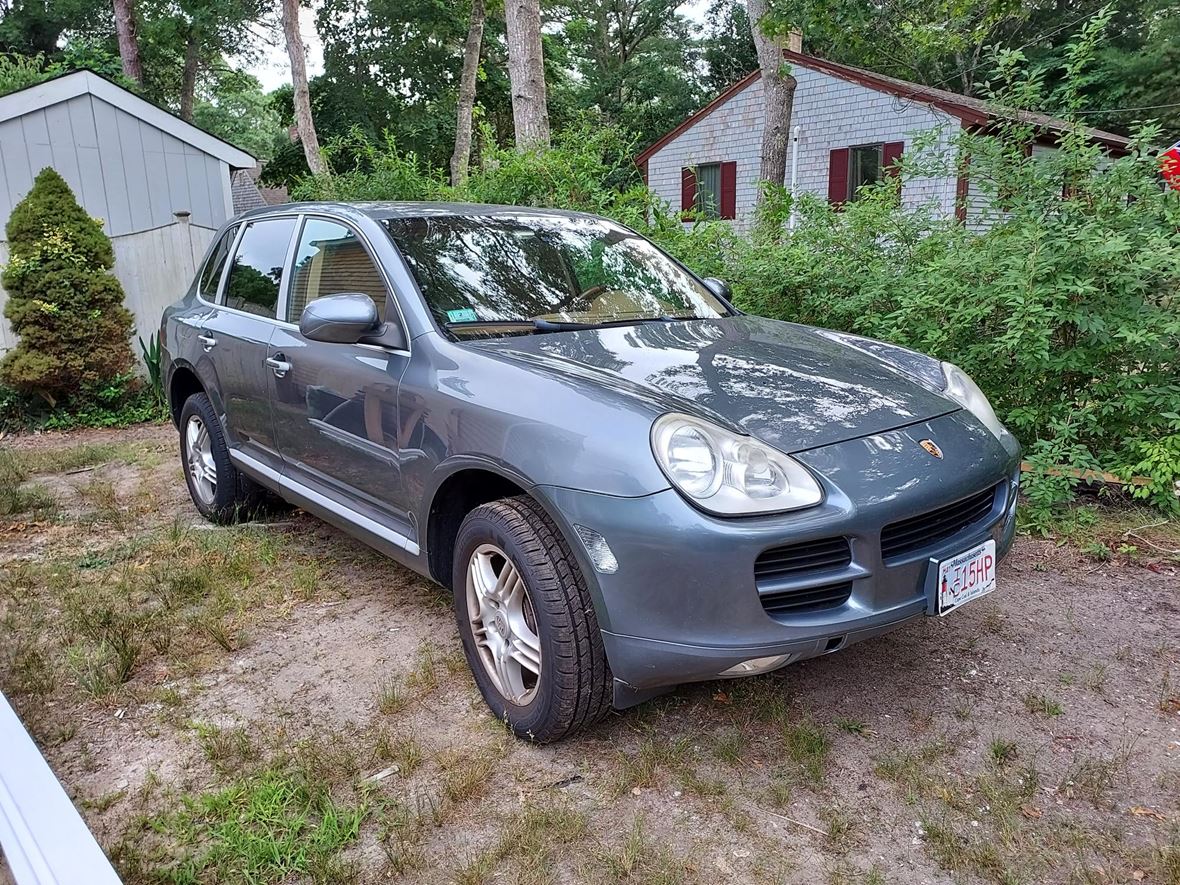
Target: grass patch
column 639, row 859
column 808, row 746
column 1041, row 705
column 96, row 618
column 265, row 828
column 532, row 840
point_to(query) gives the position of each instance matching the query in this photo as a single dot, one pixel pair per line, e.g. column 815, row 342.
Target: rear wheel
column 527, row 622
column 221, row 492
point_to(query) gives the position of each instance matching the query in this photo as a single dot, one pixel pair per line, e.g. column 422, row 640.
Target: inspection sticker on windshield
column 463, row 315
column 966, row 577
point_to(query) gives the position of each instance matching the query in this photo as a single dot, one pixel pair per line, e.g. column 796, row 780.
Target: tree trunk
column 462, row 154
column 128, row 40
column 188, row 82
column 526, row 71
column 778, row 96
column 304, row 123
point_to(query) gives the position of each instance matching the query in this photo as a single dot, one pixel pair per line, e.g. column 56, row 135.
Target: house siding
column 127, row 172
column 832, row 113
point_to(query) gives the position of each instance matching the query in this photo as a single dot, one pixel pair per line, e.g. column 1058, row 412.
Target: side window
column 211, row 274
column 331, row 260
column 257, row 269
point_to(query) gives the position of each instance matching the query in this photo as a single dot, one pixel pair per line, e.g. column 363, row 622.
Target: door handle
column 281, row 367
column 207, row 341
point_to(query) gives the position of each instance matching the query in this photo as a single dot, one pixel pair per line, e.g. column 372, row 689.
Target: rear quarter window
column 210, row 277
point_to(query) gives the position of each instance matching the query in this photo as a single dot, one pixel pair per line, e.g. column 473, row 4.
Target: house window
column 865, row 167
column 852, row 168
column 709, row 190
column 708, row 198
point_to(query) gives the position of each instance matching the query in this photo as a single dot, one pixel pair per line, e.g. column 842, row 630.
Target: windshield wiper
column 539, row 324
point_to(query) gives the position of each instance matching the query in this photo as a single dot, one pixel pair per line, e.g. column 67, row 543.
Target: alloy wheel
column 503, row 624
column 201, row 467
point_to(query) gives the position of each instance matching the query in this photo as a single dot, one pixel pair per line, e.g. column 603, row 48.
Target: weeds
column 1041, row 705
column 638, row 859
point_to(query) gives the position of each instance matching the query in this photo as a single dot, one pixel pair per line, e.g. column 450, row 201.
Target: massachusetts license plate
column 967, row 576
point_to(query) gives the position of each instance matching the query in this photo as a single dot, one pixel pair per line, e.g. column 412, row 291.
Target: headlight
column 727, row 473
column 967, row 394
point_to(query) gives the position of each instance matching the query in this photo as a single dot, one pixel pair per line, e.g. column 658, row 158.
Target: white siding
column 832, row 113
column 122, row 169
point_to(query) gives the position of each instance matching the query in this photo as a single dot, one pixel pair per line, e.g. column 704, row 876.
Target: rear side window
column 331, row 260
column 257, row 269
column 211, row 274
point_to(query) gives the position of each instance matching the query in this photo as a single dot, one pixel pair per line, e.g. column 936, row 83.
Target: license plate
column 967, row 576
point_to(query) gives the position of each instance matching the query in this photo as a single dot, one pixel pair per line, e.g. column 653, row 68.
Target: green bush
column 63, row 302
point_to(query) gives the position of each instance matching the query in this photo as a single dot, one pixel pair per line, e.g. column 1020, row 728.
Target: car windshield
column 519, row 274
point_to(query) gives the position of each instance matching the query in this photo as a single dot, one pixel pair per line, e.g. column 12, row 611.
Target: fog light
column 756, row 665
column 600, row 553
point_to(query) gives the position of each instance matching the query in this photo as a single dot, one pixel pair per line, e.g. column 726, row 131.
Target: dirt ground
column 275, row 702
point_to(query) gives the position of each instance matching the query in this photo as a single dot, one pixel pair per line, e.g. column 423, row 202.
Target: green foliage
column 234, row 107
column 264, row 828
column 21, row 71
column 150, row 352
column 1063, row 309
column 63, row 302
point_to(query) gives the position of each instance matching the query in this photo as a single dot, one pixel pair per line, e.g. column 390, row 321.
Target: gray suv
column 626, row 483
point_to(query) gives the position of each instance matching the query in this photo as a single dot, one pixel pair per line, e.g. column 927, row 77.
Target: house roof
column 971, row 111
column 67, row 86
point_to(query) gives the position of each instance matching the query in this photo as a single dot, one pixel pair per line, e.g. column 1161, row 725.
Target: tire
column 232, row 496
column 573, row 688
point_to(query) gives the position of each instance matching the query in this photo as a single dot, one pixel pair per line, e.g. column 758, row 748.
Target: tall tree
column 778, row 94
column 462, row 155
column 304, row 122
column 125, row 31
column 526, row 70
column 634, row 61
column 728, row 45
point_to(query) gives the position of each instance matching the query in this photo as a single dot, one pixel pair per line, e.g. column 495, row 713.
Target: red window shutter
column 890, row 154
column 729, row 190
column 838, row 176
column 688, row 189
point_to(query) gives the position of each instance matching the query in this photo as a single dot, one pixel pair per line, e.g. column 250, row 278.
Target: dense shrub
column 63, row 302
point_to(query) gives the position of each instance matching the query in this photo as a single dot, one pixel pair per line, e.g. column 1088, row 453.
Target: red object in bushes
column 1170, row 166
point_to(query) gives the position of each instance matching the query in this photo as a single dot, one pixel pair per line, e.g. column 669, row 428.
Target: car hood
column 793, row 387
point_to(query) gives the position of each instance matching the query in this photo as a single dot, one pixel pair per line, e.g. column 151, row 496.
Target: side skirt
column 392, row 543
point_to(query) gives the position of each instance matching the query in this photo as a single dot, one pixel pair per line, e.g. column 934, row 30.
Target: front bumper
column 684, row 604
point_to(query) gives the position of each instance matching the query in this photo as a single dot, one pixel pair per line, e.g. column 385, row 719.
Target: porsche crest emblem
column 931, row 447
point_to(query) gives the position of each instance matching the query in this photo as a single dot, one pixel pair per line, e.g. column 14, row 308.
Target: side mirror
column 339, row 319
column 718, row 287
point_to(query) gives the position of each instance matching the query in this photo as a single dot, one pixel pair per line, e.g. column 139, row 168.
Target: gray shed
column 161, row 186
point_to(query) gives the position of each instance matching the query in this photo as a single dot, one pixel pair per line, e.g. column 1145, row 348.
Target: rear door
column 335, row 405
column 238, row 329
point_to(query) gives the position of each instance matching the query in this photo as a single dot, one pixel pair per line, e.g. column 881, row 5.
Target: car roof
column 382, row 210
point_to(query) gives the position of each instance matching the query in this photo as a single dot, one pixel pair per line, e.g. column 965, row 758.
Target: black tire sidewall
column 228, row 501
column 529, row 720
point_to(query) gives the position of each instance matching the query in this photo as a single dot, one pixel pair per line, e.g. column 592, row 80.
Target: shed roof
column 971, row 111
column 67, row 86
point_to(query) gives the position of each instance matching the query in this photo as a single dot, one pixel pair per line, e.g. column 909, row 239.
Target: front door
column 239, row 328
column 335, row 405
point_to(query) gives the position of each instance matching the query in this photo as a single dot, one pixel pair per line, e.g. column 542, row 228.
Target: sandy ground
column 1033, row 736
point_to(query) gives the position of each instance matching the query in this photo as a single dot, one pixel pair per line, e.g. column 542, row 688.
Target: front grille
column 918, row 532
column 796, row 560
column 793, row 602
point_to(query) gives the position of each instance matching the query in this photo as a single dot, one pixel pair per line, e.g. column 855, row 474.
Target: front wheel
column 527, row 622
